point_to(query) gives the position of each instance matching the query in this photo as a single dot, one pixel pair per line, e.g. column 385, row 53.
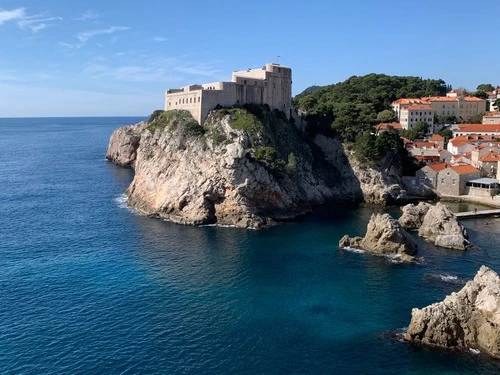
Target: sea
column 89, row 286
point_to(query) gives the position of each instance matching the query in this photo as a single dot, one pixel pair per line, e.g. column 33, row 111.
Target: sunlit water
column 87, row 286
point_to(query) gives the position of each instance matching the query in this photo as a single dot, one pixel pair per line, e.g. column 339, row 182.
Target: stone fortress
column 271, row 85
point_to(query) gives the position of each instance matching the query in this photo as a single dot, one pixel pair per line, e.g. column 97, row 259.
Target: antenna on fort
column 278, row 59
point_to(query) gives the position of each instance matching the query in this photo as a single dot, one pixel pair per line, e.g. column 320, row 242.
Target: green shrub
column 154, row 115
column 241, row 119
column 174, row 119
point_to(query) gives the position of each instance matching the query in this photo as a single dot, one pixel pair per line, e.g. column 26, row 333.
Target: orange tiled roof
column 439, row 99
column 416, row 107
column 479, row 128
column 436, row 137
column 406, row 101
column 464, row 169
column 490, row 156
column 473, row 99
column 459, row 142
column 475, row 137
column 385, row 125
column 438, row 166
column 424, row 144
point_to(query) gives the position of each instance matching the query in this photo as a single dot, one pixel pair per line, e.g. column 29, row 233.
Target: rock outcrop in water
column 469, row 318
column 441, row 227
column 413, row 215
column 123, row 144
column 384, row 236
column 248, row 169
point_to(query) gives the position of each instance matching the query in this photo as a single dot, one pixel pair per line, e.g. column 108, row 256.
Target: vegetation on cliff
column 272, row 140
column 349, row 107
column 174, row 119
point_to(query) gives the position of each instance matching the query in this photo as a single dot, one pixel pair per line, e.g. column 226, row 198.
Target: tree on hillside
column 386, row 116
column 477, row 119
column 445, row 119
column 481, row 94
column 447, row 134
column 372, row 92
column 418, row 131
column 485, row 87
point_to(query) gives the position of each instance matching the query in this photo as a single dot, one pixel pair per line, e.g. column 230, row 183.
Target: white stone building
column 271, row 85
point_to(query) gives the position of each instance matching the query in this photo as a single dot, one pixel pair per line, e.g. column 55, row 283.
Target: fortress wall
column 187, row 100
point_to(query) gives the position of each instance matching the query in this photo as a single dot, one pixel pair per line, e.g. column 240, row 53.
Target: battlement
column 271, row 85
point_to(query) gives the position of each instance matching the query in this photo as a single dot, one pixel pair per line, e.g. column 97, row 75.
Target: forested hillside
column 352, row 106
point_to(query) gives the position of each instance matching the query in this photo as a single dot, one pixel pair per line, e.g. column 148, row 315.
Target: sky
column 117, row 57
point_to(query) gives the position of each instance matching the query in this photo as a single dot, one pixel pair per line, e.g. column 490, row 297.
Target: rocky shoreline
column 243, row 169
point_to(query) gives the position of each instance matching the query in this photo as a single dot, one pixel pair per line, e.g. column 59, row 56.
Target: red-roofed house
column 459, row 145
column 409, row 115
column 478, row 129
column 448, row 179
column 385, row 126
column 437, row 139
column 488, row 164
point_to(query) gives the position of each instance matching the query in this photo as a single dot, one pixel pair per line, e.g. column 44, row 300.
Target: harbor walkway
column 477, row 213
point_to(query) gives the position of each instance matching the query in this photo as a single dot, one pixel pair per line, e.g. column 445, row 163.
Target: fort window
column 190, row 100
column 244, row 81
column 199, row 99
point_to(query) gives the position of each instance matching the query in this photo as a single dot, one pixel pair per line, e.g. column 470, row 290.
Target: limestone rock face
column 123, row 144
column 413, row 216
column 441, row 227
column 379, row 187
column 469, row 318
column 384, row 235
column 234, row 171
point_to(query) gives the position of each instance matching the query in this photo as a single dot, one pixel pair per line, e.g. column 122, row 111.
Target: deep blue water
column 89, row 287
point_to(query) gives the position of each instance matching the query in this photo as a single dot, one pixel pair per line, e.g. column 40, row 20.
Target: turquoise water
column 90, row 287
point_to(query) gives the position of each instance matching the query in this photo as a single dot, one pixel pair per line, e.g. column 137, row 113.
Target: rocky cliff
column 384, row 235
column 467, row 319
column 248, row 168
column 123, row 144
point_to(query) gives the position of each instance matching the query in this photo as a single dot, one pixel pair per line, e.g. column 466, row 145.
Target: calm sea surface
column 89, row 287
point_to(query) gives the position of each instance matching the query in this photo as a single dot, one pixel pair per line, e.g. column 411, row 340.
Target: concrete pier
column 477, row 213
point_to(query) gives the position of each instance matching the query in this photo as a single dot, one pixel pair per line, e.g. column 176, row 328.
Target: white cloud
column 159, row 39
column 11, row 15
column 86, row 35
column 34, row 23
column 88, row 15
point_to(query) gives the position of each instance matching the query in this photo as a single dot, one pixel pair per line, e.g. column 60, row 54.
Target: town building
column 492, row 97
column 408, row 111
column 477, row 129
column 437, row 139
column 455, row 104
column 271, row 85
column 448, row 179
column 386, row 126
column 491, row 118
column 410, row 115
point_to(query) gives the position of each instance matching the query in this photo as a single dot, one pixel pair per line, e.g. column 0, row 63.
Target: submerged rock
column 384, row 236
column 413, row 216
column 441, row 227
column 468, row 319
